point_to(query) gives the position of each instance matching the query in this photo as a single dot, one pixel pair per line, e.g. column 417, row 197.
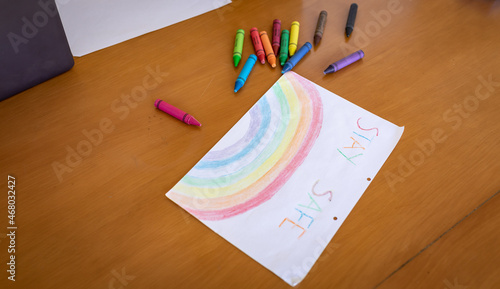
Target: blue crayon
column 245, row 72
column 296, row 57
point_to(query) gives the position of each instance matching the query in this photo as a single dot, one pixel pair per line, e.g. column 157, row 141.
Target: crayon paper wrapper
column 281, row 182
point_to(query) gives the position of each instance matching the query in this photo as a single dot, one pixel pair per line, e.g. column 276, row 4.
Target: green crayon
column 285, row 37
column 238, row 46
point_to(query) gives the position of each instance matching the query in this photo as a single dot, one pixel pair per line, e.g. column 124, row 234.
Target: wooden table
column 92, row 158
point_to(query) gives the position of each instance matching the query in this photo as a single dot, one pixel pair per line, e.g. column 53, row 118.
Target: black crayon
column 349, row 26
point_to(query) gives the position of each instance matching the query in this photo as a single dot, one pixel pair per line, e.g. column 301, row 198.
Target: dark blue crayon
column 245, row 71
column 296, row 57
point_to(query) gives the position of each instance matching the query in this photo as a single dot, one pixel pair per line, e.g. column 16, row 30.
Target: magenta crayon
column 336, row 66
column 257, row 45
column 276, row 36
column 177, row 113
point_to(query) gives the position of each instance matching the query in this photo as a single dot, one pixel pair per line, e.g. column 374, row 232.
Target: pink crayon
column 177, row 113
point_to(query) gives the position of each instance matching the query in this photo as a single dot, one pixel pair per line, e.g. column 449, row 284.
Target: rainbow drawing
column 264, row 152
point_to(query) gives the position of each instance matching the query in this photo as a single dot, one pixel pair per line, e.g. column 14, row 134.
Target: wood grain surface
column 93, row 158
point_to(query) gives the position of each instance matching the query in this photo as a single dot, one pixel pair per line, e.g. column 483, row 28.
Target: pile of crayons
column 284, row 44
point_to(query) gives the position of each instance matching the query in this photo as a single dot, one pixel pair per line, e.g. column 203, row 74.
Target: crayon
column 271, row 58
column 276, row 36
column 294, row 37
column 297, row 57
column 242, row 78
column 351, row 18
column 320, row 27
column 257, row 45
column 177, row 113
column 238, row 46
column 338, row 65
column 285, row 36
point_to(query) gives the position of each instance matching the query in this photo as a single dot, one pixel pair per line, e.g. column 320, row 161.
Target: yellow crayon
column 294, row 37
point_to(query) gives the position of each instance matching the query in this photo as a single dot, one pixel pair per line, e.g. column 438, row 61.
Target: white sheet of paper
column 280, row 183
column 91, row 25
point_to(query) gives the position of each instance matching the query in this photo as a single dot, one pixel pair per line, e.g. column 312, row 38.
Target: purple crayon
column 336, row 66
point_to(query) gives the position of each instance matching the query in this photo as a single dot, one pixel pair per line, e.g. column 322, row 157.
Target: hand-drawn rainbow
column 282, row 129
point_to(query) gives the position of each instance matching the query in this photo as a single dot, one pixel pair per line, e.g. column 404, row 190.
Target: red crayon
column 257, row 45
column 175, row 112
column 276, row 36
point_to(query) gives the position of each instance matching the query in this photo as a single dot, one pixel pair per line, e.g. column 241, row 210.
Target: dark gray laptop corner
column 33, row 46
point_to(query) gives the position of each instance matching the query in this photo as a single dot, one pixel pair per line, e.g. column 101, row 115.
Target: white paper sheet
column 91, row 25
column 280, row 183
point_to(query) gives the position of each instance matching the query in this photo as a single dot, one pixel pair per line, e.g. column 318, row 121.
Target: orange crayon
column 271, row 58
column 257, row 45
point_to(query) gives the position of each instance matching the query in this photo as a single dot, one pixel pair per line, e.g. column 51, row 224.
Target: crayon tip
column 287, row 67
column 236, row 60
column 238, row 85
column 263, row 61
column 273, row 65
column 329, row 69
column 316, row 39
column 193, row 121
column 348, row 31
